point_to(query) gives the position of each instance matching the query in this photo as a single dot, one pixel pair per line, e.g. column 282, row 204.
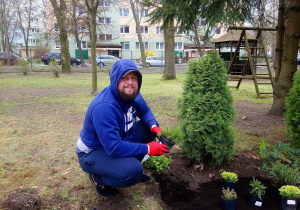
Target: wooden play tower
column 255, row 49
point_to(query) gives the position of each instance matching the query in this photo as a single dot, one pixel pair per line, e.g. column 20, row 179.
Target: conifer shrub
column 207, row 112
column 292, row 114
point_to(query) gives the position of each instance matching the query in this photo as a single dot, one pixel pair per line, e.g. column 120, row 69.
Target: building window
column 56, row 27
column 125, row 45
column 217, row 30
column 31, row 41
column 105, row 37
column 160, row 45
column 18, row 35
column 79, row 11
column 202, row 22
column 177, row 29
column 57, row 44
column 137, row 45
column 144, row 29
column 124, row 29
column 81, row 29
column 34, row 30
column 105, row 3
column 124, row 12
column 141, row 12
column 191, row 38
column 34, row 20
column 178, row 46
column 159, row 30
column 83, row 44
column 103, row 20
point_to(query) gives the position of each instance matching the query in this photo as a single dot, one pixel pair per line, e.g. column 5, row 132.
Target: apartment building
column 116, row 31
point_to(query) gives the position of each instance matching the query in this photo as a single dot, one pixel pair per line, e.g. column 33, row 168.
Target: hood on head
column 120, row 68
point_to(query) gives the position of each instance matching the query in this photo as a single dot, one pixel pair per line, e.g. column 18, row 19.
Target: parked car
column 10, row 58
column 153, row 61
column 74, row 62
column 48, row 57
column 104, row 60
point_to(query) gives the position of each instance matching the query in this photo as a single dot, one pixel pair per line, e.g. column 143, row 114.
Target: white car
column 153, row 61
column 104, row 60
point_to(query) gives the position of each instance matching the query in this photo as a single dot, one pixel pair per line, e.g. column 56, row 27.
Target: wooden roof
column 233, row 36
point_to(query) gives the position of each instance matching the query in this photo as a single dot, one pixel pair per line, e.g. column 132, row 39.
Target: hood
column 118, row 69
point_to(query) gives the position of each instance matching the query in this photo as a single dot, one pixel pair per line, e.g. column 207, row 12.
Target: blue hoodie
column 110, row 122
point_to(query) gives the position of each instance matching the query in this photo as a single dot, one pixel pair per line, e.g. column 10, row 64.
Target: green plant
column 285, row 175
column 257, row 188
column 23, row 66
column 54, row 68
column 206, row 111
column 263, row 150
column 158, row 162
column 289, row 191
column 292, row 114
column 228, row 194
column 229, row 177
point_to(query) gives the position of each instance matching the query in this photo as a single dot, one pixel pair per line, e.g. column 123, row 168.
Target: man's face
column 128, row 86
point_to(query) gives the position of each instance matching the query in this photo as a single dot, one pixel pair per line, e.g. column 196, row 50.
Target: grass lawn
column 40, row 120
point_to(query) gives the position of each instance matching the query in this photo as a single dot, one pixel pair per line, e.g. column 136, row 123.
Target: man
column 112, row 142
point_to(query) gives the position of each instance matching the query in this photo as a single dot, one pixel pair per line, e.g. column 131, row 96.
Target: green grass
column 40, row 120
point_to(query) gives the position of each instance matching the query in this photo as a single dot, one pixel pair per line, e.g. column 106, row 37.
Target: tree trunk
column 63, row 34
column 78, row 42
column 169, row 71
column 92, row 8
column 138, row 28
column 289, row 60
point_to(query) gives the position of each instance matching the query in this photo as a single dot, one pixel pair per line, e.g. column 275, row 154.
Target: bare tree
column 138, row 28
column 92, row 6
column 60, row 14
column 77, row 21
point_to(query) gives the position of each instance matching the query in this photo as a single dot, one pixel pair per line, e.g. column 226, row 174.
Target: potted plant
column 229, row 179
column 256, row 193
column 228, row 199
column 290, row 195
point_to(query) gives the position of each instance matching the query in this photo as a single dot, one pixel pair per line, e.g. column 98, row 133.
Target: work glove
column 156, row 148
column 155, row 129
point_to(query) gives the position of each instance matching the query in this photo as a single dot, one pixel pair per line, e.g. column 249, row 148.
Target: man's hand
column 156, row 148
column 155, row 129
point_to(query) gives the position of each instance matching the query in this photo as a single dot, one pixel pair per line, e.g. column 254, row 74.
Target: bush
column 54, row 68
column 158, row 162
column 229, row 177
column 292, row 114
column 207, row 112
column 23, row 66
column 284, row 174
column 228, row 194
column 289, row 191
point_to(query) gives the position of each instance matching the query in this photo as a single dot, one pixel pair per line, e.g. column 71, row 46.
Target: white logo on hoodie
column 128, row 120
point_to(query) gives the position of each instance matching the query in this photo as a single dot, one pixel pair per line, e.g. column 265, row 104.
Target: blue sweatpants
column 116, row 172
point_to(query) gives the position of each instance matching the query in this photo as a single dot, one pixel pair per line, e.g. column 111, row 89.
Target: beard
column 128, row 97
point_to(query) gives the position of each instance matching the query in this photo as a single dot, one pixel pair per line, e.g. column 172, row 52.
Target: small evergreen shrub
column 23, row 66
column 207, row 112
column 229, row 177
column 292, row 114
column 228, row 194
column 289, row 191
column 284, row 174
column 54, row 68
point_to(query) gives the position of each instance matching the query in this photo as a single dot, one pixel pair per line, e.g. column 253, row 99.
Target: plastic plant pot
column 165, row 141
column 230, row 185
column 228, row 204
column 255, row 201
column 289, row 203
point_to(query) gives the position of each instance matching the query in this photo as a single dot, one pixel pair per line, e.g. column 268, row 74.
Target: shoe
column 102, row 190
column 144, row 178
